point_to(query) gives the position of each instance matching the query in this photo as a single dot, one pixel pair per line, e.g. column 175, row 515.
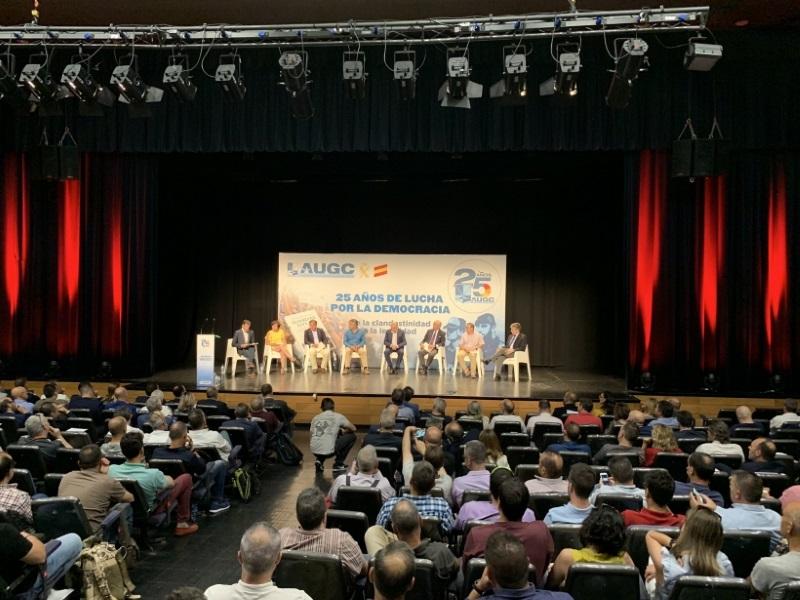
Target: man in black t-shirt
column 384, row 437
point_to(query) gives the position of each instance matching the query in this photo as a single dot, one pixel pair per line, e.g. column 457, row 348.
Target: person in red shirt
column 585, row 416
column 658, row 492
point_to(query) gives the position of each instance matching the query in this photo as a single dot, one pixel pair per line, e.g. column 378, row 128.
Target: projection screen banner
column 376, row 289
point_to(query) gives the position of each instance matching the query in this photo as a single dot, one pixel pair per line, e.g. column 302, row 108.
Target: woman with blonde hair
column 276, row 339
column 648, row 407
column 662, row 440
column 697, row 551
column 494, row 452
column 187, row 402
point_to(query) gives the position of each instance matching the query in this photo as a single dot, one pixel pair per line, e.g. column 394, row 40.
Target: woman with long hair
column 494, row 452
column 662, row 440
column 187, row 402
column 695, row 552
column 474, row 412
column 276, row 339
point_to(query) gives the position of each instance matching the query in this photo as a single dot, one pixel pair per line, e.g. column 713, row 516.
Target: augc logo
column 321, row 269
column 471, row 286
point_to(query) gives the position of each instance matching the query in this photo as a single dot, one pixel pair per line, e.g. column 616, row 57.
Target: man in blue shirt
column 581, row 485
column 355, row 341
column 700, row 469
column 664, row 415
column 572, row 442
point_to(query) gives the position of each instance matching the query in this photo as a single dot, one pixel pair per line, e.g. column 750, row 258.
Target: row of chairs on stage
column 232, row 359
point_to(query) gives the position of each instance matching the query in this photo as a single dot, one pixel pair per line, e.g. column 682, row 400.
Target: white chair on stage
column 346, row 363
column 393, row 356
column 233, row 355
column 439, row 358
column 269, row 356
column 468, row 361
column 520, row 357
column 325, row 359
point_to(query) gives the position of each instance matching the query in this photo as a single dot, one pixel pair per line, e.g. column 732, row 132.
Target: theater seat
column 744, row 548
column 694, row 587
column 589, row 581
column 363, row 499
column 353, row 522
column 321, row 576
column 636, row 546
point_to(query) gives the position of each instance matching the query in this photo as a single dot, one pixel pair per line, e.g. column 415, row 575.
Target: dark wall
column 559, row 218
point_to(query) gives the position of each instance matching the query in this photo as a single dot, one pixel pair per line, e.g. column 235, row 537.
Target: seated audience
column 621, row 413
column 38, row 434
column 487, row 510
column 494, row 451
column 585, row 415
column 313, row 536
column 155, row 404
column 125, row 414
column 429, row 448
column 212, row 400
column 408, row 395
column 421, row 483
column 544, row 416
column 93, row 487
column 762, row 453
column 438, row 415
column 581, row 485
column 15, row 504
column 658, row 492
column 686, row 430
column 392, row 575
column 259, row 554
column 119, row 401
column 602, row 535
column 475, row 413
column 789, row 416
column 384, row 436
column 508, row 416
column 719, row 441
column 366, row 474
column 512, row 502
column 257, row 411
column 159, row 429
column 87, row 398
column 569, row 406
column 626, row 437
column 332, row 434
column 620, row 482
column 404, row 412
column 572, row 443
column 212, row 473
column 117, row 427
column 285, row 413
column 662, row 440
column 697, row 551
column 665, row 412
column 255, row 437
column 648, row 408
column 203, row 437
column 699, row 469
column 477, row 477
column 744, row 419
column 506, row 573
column 549, row 479
column 159, row 490
column 771, row 574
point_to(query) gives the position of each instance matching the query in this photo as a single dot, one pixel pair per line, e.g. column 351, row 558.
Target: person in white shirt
column 259, row 555
column 789, row 415
column 544, row 416
column 549, row 479
column 469, row 345
column 364, row 474
column 508, row 416
column 719, row 441
column 203, row 437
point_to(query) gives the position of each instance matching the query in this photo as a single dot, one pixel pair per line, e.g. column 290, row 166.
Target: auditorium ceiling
column 724, row 13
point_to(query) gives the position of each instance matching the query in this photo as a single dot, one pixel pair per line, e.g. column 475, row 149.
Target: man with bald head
column 117, row 427
column 366, row 474
column 121, row 401
column 431, row 344
column 507, row 416
column 393, row 572
column 19, row 395
column 259, row 554
column 570, row 406
column 773, row 573
column 744, row 420
column 761, row 456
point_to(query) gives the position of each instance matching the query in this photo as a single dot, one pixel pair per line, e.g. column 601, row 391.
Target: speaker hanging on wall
column 700, row 157
column 50, row 162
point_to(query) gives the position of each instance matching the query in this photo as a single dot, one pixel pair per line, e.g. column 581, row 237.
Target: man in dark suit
column 394, row 341
column 517, row 341
column 244, row 341
column 432, row 343
column 317, row 343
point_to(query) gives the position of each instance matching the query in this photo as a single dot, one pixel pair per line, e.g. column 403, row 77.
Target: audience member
column 581, row 485
column 771, row 574
column 621, row 413
column 254, row 436
column 203, row 437
column 475, row 413
column 585, row 415
column 568, row 407
column 404, row 412
column 408, row 395
column 393, row 572
column 719, row 441
column 15, row 504
column 384, row 437
column 549, row 479
column 212, row 400
column 626, row 437
column 789, row 415
column 119, row 401
column 658, row 491
column 117, row 427
column 664, row 415
column 366, row 474
column 744, row 420
column 487, row 510
column 620, row 480
column 572, row 443
column 258, row 412
column 508, row 416
column 544, row 416
column 259, row 554
column 494, row 451
column 686, row 430
column 39, row 430
column 421, row 484
column 762, row 453
column 699, row 470
column 477, row 477
column 332, row 434
column 662, row 440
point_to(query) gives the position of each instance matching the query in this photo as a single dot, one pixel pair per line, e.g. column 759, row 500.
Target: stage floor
column 550, row 383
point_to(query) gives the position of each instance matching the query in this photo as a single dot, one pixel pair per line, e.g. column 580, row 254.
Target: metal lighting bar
column 390, row 33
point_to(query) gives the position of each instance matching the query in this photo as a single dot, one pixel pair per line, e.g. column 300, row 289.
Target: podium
column 205, row 360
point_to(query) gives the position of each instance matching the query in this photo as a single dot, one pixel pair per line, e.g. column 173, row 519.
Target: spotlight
column 628, row 64
column 405, row 73
column 701, row 56
column 647, row 382
column 229, row 75
column 294, row 72
column 178, row 80
column 132, row 90
column 79, row 82
column 354, row 75
column 10, row 90
column 457, row 90
column 105, row 371
column 513, row 88
column 53, row 370
column 569, row 66
column 36, row 78
column 710, row 382
column 776, row 384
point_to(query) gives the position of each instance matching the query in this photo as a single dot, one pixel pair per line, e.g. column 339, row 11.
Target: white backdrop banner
column 376, row 289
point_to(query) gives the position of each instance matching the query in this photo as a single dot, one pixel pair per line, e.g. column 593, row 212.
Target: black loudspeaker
column 69, row 162
column 44, row 163
column 682, row 151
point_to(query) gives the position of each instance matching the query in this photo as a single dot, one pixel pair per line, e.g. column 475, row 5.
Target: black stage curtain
column 559, row 218
column 753, row 87
column 713, row 275
column 77, row 269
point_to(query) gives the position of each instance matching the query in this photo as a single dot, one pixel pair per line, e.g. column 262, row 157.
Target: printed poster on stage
column 376, row 289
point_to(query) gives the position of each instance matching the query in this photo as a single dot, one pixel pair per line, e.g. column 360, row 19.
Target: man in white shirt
column 317, row 343
column 366, row 474
column 544, row 416
column 508, row 416
column 259, row 554
column 773, row 573
column 719, row 441
column 789, row 415
column 203, row 437
column 469, row 345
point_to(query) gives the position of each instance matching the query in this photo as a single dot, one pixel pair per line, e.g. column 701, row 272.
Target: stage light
column 405, row 73
column 775, row 384
column 701, row 56
column 178, row 80
column 105, row 371
column 354, row 75
column 710, row 382
column 10, row 90
column 630, row 61
column 294, row 73
column 36, row 78
column 230, row 77
column 569, row 67
column 79, row 82
column 513, row 87
column 457, row 90
column 53, row 370
column 132, row 89
column 647, row 382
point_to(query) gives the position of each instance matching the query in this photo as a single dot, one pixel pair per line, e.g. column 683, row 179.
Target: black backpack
column 287, row 452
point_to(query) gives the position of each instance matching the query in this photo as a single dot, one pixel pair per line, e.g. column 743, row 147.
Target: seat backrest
column 318, row 575
column 565, row 535
column 425, row 584
column 749, row 433
column 55, row 517
column 387, row 468
column 776, row 482
column 791, row 591
column 51, row 483
column 501, row 427
column 744, row 548
column 432, row 528
column 540, row 429
column 517, row 455
column 694, row 587
column 229, row 346
column 215, row 421
column 83, row 423
column 720, row 482
column 550, row 438
column 10, row 430
column 79, row 413
column 636, row 546
column 469, row 526
column 475, row 495
column 514, row 438
column 541, row 503
column 734, row 461
column 66, row 460
column 470, row 424
column 679, row 504
column 367, row 500
column 238, row 438
column 353, row 522
column 619, row 501
column 631, row 455
column 674, row 462
column 435, row 492
column 689, row 445
column 77, row 439
column 790, row 447
column 572, row 457
column 587, row 430
column 24, row 480
column 526, row 471
column 389, row 452
column 640, row 475
column 172, row 467
column 30, row 458
column 589, row 581
column 141, row 510
column 597, row 441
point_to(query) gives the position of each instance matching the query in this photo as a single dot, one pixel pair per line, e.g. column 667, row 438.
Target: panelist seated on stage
column 244, row 340
column 470, row 343
column 394, row 340
column 516, row 342
column 275, row 338
column 317, row 343
column 355, row 341
column 431, row 345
